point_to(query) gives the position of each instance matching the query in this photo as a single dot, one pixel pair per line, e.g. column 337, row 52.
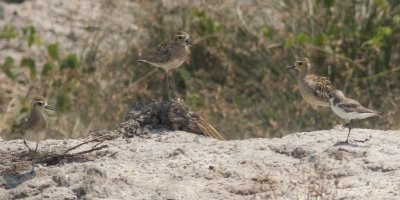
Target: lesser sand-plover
column 170, row 55
column 33, row 128
column 349, row 109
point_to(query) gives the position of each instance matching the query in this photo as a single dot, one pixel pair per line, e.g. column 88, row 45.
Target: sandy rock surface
column 181, row 165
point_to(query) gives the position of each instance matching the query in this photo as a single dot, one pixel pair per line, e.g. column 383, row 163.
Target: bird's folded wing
column 354, row 106
column 320, row 85
column 160, row 54
column 23, row 125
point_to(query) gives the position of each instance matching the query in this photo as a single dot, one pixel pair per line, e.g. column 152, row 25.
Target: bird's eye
column 180, row 37
column 40, row 103
column 300, row 63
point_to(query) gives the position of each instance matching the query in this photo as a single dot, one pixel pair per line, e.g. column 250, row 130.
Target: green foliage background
column 236, row 75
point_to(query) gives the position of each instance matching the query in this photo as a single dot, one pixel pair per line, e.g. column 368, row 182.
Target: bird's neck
column 336, row 101
column 180, row 44
column 302, row 74
column 36, row 115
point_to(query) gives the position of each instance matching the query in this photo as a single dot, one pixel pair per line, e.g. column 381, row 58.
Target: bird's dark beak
column 189, row 41
column 49, row 107
column 291, row 67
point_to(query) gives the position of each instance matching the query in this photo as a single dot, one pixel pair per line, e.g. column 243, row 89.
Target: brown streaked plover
column 349, row 109
column 169, row 55
column 314, row 89
column 33, row 128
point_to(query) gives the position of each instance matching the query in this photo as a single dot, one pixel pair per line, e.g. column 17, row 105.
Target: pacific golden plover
column 169, row 55
column 314, row 89
column 349, row 109
column 33, row 128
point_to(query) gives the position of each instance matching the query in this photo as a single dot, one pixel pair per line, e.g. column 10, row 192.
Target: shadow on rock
column 14, row 180
column 349, row 144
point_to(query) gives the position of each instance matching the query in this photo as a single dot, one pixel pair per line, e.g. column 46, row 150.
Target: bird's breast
column 309, row 96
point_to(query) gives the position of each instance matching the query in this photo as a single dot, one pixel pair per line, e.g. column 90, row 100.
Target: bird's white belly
column 350, row 115
column 34, row 135
column 172, row 64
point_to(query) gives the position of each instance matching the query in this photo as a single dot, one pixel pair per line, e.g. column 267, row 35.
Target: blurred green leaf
column 396, row 21
column 6, row 67
column 29, row 62
column 47, row 67
column 25, row 31
column 184, row 74
column 384, row 31
column 8, row 33
column 327, row 3
column 371, row 42
column 270, row 114
column 350, row 51
column 381, row 5
column 9, row 61
column 378, row 38
column 302, row 39
column 194, row 12
column 211, row 25
column 38, row 41
column 62, row 102
column 30, row 33
column 53, row 51
column 320, row 39
column 288, row 43
column 206, row 24
column 71, row 61
column 334, row 31
column 194, row 100
column 31, row 40
column 24, row 109
column 32, row 30
column 266, row 32
column 378, row 2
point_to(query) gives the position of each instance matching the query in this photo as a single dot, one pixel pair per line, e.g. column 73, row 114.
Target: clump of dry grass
column 174, row 115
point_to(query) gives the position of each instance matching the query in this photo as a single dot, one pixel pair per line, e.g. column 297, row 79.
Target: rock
column 181, row 165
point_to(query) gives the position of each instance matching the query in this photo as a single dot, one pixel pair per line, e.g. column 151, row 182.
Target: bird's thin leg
column 37, row 144
column 348, row 124
column 316, row 118
column 167, row 85
column 27, row 146
column 172, row 81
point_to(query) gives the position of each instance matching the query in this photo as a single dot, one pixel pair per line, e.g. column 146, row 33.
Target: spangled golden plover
column 33, row 128
column 349, row 109
column 170, row 55
column 314, row 89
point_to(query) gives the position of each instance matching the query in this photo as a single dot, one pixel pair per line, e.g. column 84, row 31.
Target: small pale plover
column 33, row 128
column 349, row 109
column 170, row 55
column 314, row 89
